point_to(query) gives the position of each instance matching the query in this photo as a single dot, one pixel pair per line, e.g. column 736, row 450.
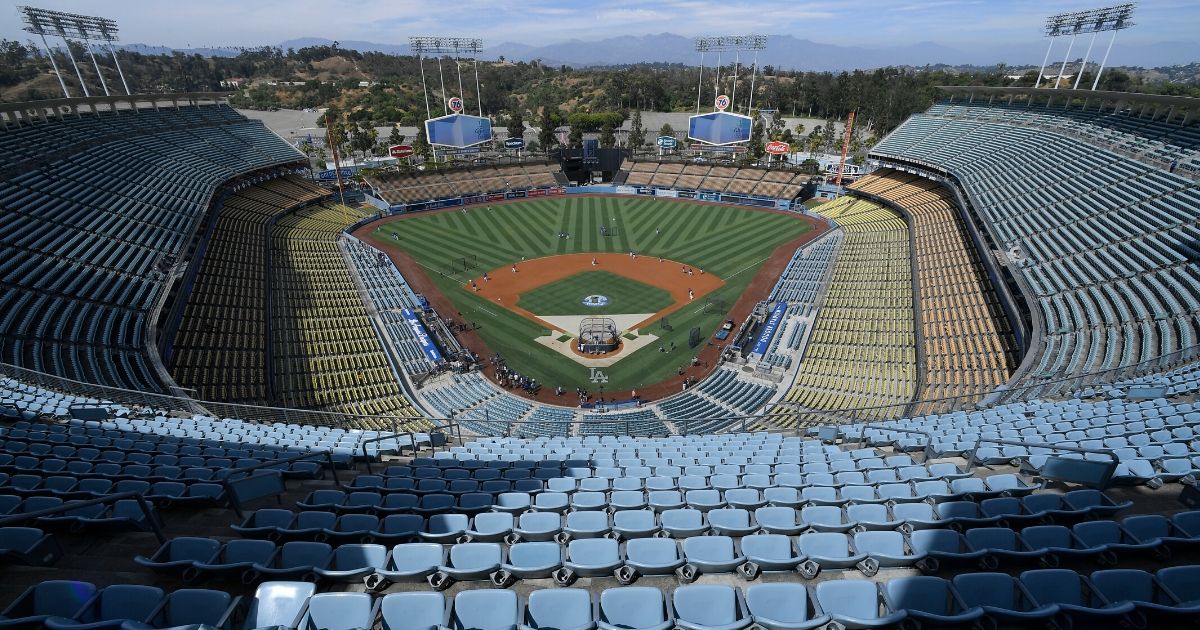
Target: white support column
column 120, row 72
column 442, row 81
column 717, row 81
column 1045, row 59
column 458, row 68
column 1085, row 60
column 478, row 94
column 737, row 65
column 71, row 56
column 753, row 75
column 1104, row 62
column 50, row 54
column 1064, row 63
column 103, row 83
column 424, row 89
column 700, row 82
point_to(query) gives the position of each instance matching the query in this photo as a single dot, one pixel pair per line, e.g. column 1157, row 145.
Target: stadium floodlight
column 457, row 46
column 73, row 27
column 729, row 43
column 1093, row 21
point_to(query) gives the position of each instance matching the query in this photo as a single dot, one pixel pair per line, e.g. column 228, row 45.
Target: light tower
column 72, row 27
column 1094, row 21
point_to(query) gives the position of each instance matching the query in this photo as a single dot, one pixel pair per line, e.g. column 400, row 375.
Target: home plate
column 628, row 347
column 570, row 323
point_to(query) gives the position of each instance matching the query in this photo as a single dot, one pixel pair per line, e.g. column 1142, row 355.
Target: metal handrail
column 151, row 517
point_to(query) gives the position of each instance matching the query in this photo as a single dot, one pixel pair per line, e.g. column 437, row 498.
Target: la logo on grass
column 597, row 376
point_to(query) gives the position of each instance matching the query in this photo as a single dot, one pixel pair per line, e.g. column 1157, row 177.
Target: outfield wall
column 666, row 193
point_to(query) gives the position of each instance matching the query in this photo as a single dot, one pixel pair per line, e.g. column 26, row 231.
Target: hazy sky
column 960, row 23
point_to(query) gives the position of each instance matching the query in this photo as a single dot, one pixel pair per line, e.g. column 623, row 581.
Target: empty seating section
column 713, row 404
column 421, row 186
column 102, row 205
column 802, row 287
column 1101, row 240
column 775, row 183
column 1144, row 138
column 220, row 347
column 862, row 351
column 968, row 345
column 389, row 293
column 325, row 353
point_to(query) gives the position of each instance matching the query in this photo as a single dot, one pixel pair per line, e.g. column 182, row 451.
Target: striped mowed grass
column 730, row 242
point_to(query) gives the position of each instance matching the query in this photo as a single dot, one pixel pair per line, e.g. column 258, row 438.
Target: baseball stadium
column 683, row 381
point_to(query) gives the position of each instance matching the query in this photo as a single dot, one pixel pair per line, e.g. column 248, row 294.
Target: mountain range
column 783, row 51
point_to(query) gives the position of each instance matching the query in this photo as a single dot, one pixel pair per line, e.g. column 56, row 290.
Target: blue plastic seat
column 929, row 600
column 278, row 605
column 825, row 518
column 635, row 523
column 1147, row 592
column 179, row 554
column 663, row 500
column 339, row 611
column 778, row 520
column 468, row 561
column 943, row 547
column 559, row 609
column 409, row 561
column 1074, row 596
column 634, row 608
column 399, row 528
column 352, row 563
column 192, row 607
column 709, row 554
column 590, row 557
column 536, row 526
column 111, row 607
column 884, row 549
column 684, row 523
column 54, row 598
column 1002, row 543
column 235, row 557
column 856, row 604
column 627, row 500
column 732, row 522
column 1183, row 582
column 445, row 528
column 704, row 500
column 263, row 523
column 710, row 607
column 552, row 502
column 485, row 609
column 412, row 611
column 1095, row 502
column 1113, row 539
column 768, row 552
column 784, row 606
column 783, row 496
column 872, row 516
column 491, row 527
column 350, row 528
column 588, row 524
column 1056, row 542
column 295, row 560
column 528, row 560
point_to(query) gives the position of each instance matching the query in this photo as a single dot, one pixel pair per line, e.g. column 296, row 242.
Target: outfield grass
column 565, row 297
column 729, row 242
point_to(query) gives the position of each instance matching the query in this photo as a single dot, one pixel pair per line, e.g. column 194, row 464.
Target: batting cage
column 460, row 264
column 598, row 335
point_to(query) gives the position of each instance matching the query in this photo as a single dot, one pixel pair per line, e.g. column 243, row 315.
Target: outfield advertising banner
column 423, row 340
column 769, row 329
column 626, row 190
column 665, row 192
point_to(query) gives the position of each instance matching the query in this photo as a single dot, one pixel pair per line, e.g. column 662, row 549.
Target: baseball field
column 548, row 260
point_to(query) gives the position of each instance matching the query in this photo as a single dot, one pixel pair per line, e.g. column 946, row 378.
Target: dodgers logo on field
column 722, row 102
column 595, row 301
column 598, row 377
column 456, row 104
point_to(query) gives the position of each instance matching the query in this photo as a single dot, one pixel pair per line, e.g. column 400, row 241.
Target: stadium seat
column 710, row 607
column 638, row 607
column 412, row 611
